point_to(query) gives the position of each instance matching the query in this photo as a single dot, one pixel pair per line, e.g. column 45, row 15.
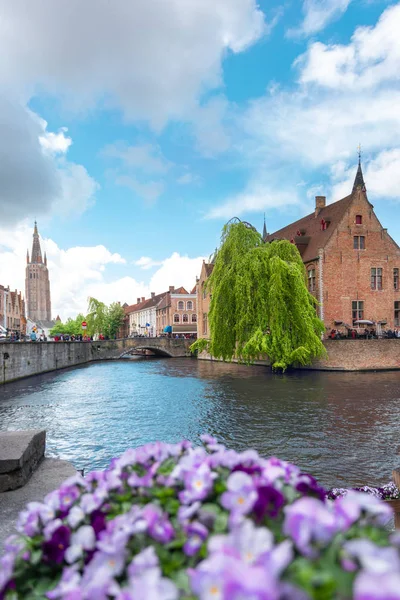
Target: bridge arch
column 156, row 351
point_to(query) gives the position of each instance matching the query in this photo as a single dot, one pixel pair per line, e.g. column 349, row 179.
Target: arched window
column 176, row 318
column 189, row 305
column 181, row 305
column 185, row 319
column 194, row 318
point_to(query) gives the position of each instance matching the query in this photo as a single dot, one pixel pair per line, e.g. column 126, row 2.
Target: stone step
column 49, row 476
column 20, row 454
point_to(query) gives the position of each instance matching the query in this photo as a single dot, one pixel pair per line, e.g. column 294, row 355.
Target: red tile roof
column 312, row 237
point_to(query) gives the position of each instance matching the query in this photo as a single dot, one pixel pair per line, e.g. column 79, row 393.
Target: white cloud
column 34, row 173
column 372, row 57
column 256, row 198
column 145, row 262
column 57, row 143
column 82, row 271
column 381, row 174
column 318, row 14
column 154, row 59
column 176, row 270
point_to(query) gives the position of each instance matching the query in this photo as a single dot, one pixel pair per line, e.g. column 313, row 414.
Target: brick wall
column 360, row 355
column 347, row 272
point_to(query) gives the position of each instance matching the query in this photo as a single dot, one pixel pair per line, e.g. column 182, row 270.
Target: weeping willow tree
column 96, row 317
column 260, row 303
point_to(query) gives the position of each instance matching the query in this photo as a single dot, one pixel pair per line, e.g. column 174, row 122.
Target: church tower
column 37, row 284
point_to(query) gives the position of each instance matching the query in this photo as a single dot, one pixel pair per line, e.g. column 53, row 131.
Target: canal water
column 342, row 427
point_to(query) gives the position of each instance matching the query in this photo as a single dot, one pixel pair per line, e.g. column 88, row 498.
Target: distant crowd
column 368, row 334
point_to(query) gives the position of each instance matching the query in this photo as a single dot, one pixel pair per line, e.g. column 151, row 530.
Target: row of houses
column 174, row 312
column 12, row 311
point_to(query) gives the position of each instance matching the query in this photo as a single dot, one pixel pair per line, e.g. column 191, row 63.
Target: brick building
column 176, row 308
column 352, row 263
column 12, row 311
column 203, row 301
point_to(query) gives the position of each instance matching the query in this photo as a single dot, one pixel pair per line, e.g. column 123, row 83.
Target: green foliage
column 100, row 319
column 113, row 319
column 260, row 303
column 71, row 327
column 96, row 317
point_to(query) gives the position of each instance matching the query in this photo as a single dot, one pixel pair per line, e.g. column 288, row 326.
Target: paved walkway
column 49, row 475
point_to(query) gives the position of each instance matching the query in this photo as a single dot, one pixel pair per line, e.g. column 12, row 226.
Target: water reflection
column 340, row 426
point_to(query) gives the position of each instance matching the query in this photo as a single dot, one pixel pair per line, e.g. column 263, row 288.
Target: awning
column 186, row 328
column 2, row 330
column 364, row 322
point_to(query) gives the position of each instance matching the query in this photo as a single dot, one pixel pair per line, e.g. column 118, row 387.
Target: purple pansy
column 196, row 535
column 373, row 586
column 54, row 549
column 198, row 484
column 241, row 494
column 269, row 502
column 356, row 505
column 311, row 525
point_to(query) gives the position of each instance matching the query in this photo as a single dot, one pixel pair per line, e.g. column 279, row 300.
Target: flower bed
column 168, row 522
column 387, row 492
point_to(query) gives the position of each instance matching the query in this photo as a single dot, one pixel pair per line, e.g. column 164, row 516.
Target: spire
column 265, row 233
column 359, row 180
column 45, row 258
column 27, row 256
column 36, row 256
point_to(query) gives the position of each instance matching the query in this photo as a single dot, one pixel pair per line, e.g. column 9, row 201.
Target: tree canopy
column 100, row 319
column 260, row 304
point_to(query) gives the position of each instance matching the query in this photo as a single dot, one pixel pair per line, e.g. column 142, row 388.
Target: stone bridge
column 163, row 346
column 23, row 359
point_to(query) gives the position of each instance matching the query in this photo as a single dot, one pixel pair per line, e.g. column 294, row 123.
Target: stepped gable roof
column 314, row 236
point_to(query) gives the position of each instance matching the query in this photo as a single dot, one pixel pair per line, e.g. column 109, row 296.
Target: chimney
column 171, row 289
column 143, row 298
column 153, row 294
column 137, row 300
column 320, row 203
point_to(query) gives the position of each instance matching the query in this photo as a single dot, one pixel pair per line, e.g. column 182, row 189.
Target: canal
column 342, row 427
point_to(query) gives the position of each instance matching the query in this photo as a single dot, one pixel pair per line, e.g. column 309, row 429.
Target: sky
column 134, row 130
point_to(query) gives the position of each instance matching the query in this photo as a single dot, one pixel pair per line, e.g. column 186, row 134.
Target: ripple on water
column 340, row 426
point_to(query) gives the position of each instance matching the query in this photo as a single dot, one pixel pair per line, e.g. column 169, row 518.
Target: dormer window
column 358, row 219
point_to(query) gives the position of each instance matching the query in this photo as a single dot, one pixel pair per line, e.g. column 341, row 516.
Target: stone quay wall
column 350, row 355
column 24, row 359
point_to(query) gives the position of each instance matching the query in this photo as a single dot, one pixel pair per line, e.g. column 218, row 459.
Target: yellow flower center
column 240, row 500
column 214, row 590
column 198, row 484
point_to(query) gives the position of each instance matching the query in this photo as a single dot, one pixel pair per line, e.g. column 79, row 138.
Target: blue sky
column 134, row 134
